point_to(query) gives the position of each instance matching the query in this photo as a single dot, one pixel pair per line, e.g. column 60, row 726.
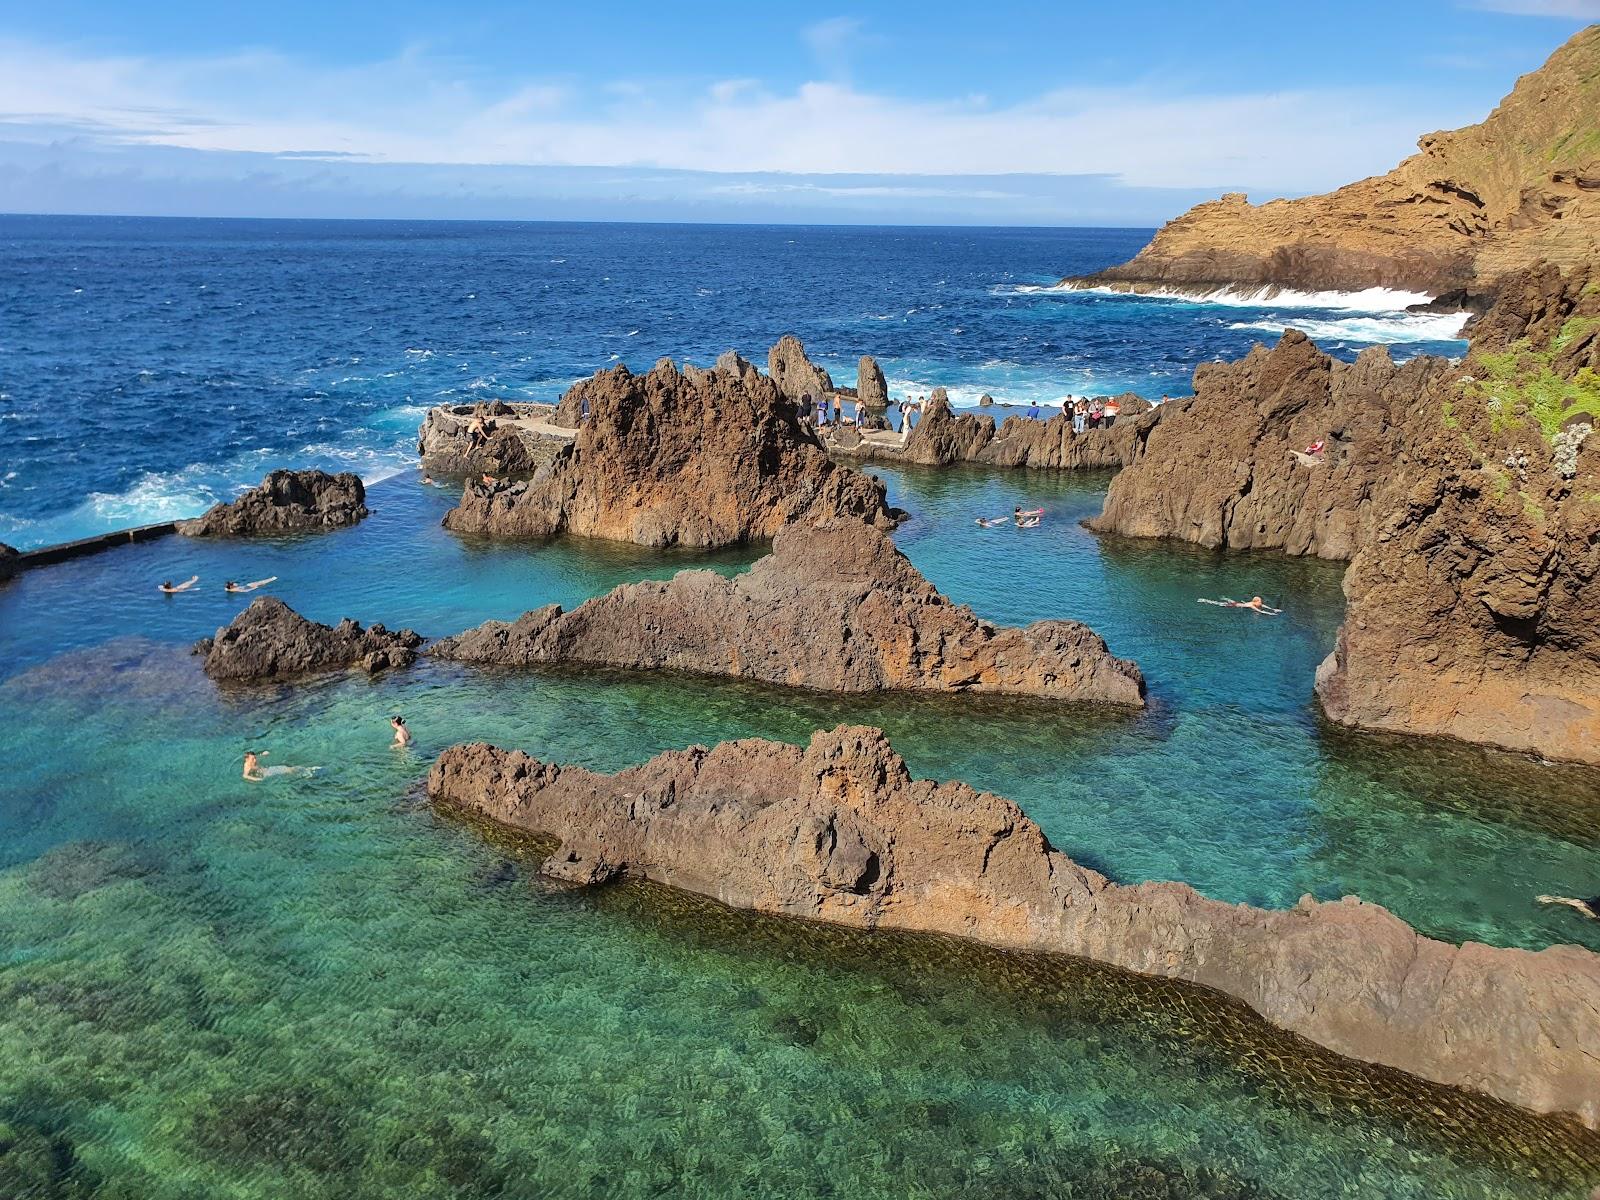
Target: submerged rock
column 270, row 641
column 667, row 458
column 839, row 831
column 286, row 502
column 834, row 607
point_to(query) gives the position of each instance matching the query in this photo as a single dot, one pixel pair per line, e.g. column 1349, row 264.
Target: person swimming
column 1028, row 519
column 231, row 586
column 993, row 522
column 402, row 735
column 255, row 772
column 172, row 589
column 1254, row 604
column 1589, row 908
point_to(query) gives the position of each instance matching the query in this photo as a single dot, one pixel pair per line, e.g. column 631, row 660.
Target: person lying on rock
column 172, row 589
column 231, row 586
column 1589, row 908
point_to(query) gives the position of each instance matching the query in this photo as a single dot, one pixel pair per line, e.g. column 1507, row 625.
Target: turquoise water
column 316, row 987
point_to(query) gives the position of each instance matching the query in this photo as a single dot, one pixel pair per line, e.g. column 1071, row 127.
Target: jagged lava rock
column 515, row 445
column 270, row 641
column 839, row 831
column 1218, row 469
column 1469, row 209
column 836, row 608
column 872, row 390
column 795, row 375
column 286, row 502
column 711, row 458
column 942, row 437
column 1472, row 607
column 9, row 560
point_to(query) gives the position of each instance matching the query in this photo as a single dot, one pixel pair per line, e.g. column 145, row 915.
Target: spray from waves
column 1374, row 330
column 1367, row 300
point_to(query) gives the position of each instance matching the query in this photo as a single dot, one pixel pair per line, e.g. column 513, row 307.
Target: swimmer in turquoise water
column 255, row 772
column 231, row 586
column 172, row 589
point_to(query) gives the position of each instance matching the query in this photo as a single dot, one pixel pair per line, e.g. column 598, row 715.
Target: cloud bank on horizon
column 831, row 127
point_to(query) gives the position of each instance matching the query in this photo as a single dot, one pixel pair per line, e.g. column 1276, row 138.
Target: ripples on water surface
column 318, row 988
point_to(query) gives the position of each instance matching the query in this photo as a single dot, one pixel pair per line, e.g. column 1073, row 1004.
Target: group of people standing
column 1091, row 413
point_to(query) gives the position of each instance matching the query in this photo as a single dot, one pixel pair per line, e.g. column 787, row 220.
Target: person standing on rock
column 838, row 410
column 822, row 412
column 1112, row 408
column 1080, row 414
column 804, row 411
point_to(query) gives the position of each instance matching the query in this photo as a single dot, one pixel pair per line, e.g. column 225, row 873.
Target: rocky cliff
column 1472, row 606
column 520, row 439
column 1471, row 207
column 839, row 831
column 270, row 641
column 941, row 438
column 1220, row 468
column 695, row 458
column 286, row 502
column 834, row 607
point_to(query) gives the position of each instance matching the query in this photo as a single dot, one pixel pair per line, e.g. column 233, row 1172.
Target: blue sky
column 1075, row 113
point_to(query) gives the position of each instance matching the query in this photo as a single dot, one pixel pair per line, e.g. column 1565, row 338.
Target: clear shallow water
column 315, row 987
column 150, row 367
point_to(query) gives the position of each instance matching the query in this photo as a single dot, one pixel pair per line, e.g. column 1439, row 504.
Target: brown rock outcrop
column 941, row 437
column 270, row 641
column 1219, row 468
column 1472, row 207
column 839, row 831
column 872, row 390
column 834, row 607
column 285, row 502
column 517, row 443
column 796, row 375
column 1472, row 607
column 669, row 458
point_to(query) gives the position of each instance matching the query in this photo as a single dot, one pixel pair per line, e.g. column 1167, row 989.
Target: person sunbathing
column 231, row 586
column 172, row 589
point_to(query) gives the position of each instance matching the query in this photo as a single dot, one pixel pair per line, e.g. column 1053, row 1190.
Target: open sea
column 321, row 988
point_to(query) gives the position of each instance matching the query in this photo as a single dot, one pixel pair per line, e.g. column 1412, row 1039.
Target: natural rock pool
column 316, row 987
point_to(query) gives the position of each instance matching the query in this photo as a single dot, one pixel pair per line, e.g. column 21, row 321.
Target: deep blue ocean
column 149, row 367
column 318, row 987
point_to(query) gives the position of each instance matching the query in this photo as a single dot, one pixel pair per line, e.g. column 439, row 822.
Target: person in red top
column 1112, row 409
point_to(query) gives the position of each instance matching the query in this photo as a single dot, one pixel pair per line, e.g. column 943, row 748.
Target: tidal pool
column 317, row 987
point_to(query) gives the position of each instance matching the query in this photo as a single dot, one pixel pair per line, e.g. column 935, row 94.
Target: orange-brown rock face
column 835, row 608
column 1220, row 468
column 1472, row 607
column 839, row 831
column 941, row 438
column 698, row 458
column 1471, row 207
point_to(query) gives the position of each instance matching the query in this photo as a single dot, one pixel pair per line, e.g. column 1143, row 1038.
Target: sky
column 1070, row 113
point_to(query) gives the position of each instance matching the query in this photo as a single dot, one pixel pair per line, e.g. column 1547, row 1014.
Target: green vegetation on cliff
column 1523, row 382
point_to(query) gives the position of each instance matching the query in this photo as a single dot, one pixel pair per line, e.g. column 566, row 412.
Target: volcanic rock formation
column 840, row 832
column 270, row 641
column 835, row 607
column 285, row 502
column 701, row 458
column 796, row 375
column 941, row 437
column 1472, row 607
column 9, row 558
column 1220, row 469
column 1472, row 207
column 519, row 439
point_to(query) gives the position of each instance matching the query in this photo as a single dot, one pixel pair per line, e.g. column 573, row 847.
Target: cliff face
column 285, row 502
column 836, row 608
column 941, row 438
column 840, row 832
column 1471, row 207
column 697, row 458
column 1471, row 609
column 1219, row 469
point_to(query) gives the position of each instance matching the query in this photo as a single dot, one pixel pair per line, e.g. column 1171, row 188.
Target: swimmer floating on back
column 255, row 772
column 993, row 522
column 1589, row 908
column 172, row 589
column 231, row 586
column 1254, row 604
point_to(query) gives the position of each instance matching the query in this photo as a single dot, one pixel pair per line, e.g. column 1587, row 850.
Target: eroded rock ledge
column 1469, row 209
column 695, row 458
column 839, row 831
column 270, row 641
column 517, row 439
column 286, row 502
column 835, row 607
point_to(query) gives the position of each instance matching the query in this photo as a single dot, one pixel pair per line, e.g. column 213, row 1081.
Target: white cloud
column 833, row 37
column 418, row 109
column 1582, row 10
